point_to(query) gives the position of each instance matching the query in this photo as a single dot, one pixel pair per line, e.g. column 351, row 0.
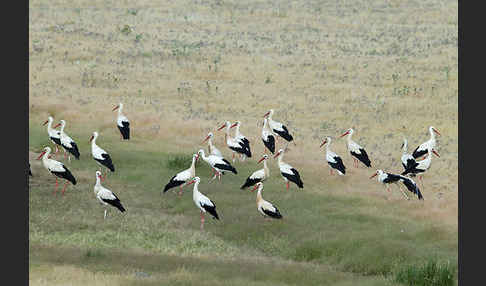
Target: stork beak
column 41, row 154
column 116, row 107
column 436, row 131
column 266, row 114
column 57, row 125
column 344, row 134
column 263, row 158
column 90, row 139
column 191, row 182
column 222, row 126
column 254, row 188
column 206, row 139
column 197, row 157
column 276, row 155
column 323, row 142
column 45, row 122
column 373, row 175
column 233, row 125
column 436, row 154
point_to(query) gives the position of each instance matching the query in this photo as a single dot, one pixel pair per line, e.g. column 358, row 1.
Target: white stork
column 122, row 123
column 358, row 152
column 105, row 196
column 421, row 166
column 232, row 143
column 408, row 161
column 266, row 208
column 288, row 172
column 334, row 161
column 202, row 202
column 242, row 140
column 182, row 177
column 219, row 164
column 388, row 178
column 278, row 127
column 57, row 169
column 67, row 143
column 259, row 175
column 429, row 144
column 267, row 137
column 99, row 155
column 212, row 150
column 54, row 135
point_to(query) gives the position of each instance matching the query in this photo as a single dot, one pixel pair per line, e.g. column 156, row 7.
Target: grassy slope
column 388, row 69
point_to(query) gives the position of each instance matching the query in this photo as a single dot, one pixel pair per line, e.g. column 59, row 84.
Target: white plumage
column 278, row 127
column 54, row 135
column 56, row 168
column 211, row 148
column 67, row 142
column 219, row 164
column 105, row 196
column 182, row 177
column 122, row 122
column 99, row 155
column 423, row 148
column 259, row 175
column 203, row 203
column 288, row 172
column 266, row 208
column 333, row 160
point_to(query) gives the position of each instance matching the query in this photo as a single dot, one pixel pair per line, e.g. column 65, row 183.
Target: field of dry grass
column 388, row 69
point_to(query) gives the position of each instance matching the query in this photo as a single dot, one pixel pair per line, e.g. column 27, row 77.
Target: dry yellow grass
column 387, row 68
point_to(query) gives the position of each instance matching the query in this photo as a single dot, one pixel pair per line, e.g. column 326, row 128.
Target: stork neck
column 62, row 127
column 98, row 181
column 280, row 158
column 195, row 190
column 259, row 194
column 49, row 126
column 404, row 148
column 432, row 134
column 93, row 142
column 46, row 156
column 193, row 164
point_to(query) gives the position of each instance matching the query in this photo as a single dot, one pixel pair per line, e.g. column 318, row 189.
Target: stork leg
column 105, row 214
column 202, row 220
column 214, row 177
column 406, row 196
column 64, row 189
column 234, row 157
column 331, row 172
column 104, row 176
column 180, row 191
column 219, row 176
column 287, row 185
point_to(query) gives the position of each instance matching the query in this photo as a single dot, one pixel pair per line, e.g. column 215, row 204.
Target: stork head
column 44, row 151
column 98, row 174
column 237, row 123
column 49, row 119
column 258, row 186
column 118, row 106
column 280, row 151
column 200, row 152
column 196, row 156
column 378, row 172
column 349, row 131
column 326, row 140
column 94, row 136
column 433, row 129
column 227, row 123
column 194, row 180
column 268, row 114
column 264, row 157
column 61, row 123
column 210, row 135
column 404, row 144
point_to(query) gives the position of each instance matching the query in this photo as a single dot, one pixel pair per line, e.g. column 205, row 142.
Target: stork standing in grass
column 122, row 123
column 423, row 148
column 408, row 161
column 105, row 196
column 288, row 172
column 389, row 178
column 266, row 208
column 57, row 169
column 421, row 166
column 232, row 143
column 335, row 162
column 54, row 135
column 267, row 137
column 100, row 156
column 181, row 178
column 259, row 175
column 212, row 150
column 357, row 152
column 203, row 203
column 242, row 140
column 218, row 164
column 67, row 143
column 277, row 127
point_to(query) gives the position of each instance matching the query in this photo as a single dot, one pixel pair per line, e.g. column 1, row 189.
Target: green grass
column 431, row 273
column 327, row 230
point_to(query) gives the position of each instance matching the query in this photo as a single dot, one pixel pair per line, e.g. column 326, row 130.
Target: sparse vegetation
column 430, row 273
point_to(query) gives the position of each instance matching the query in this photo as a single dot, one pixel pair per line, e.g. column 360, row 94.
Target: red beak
column 254, row 188
column 276, row 155
column 234, row 124
column 191, row 182
column 344, row 134
column 57, row 125
column 435, row 130
column 41, row 154
column 197, row 157
column 373, row 175
column 436, row 154
column 91, row 138
column 206, row 139
column 261, row 160
column 222, row 126
column 45, row 122
column 266, row 114
column 323, row 142
column 116, row 107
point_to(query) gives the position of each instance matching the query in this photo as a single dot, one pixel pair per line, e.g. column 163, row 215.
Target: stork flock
column 272, row 131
